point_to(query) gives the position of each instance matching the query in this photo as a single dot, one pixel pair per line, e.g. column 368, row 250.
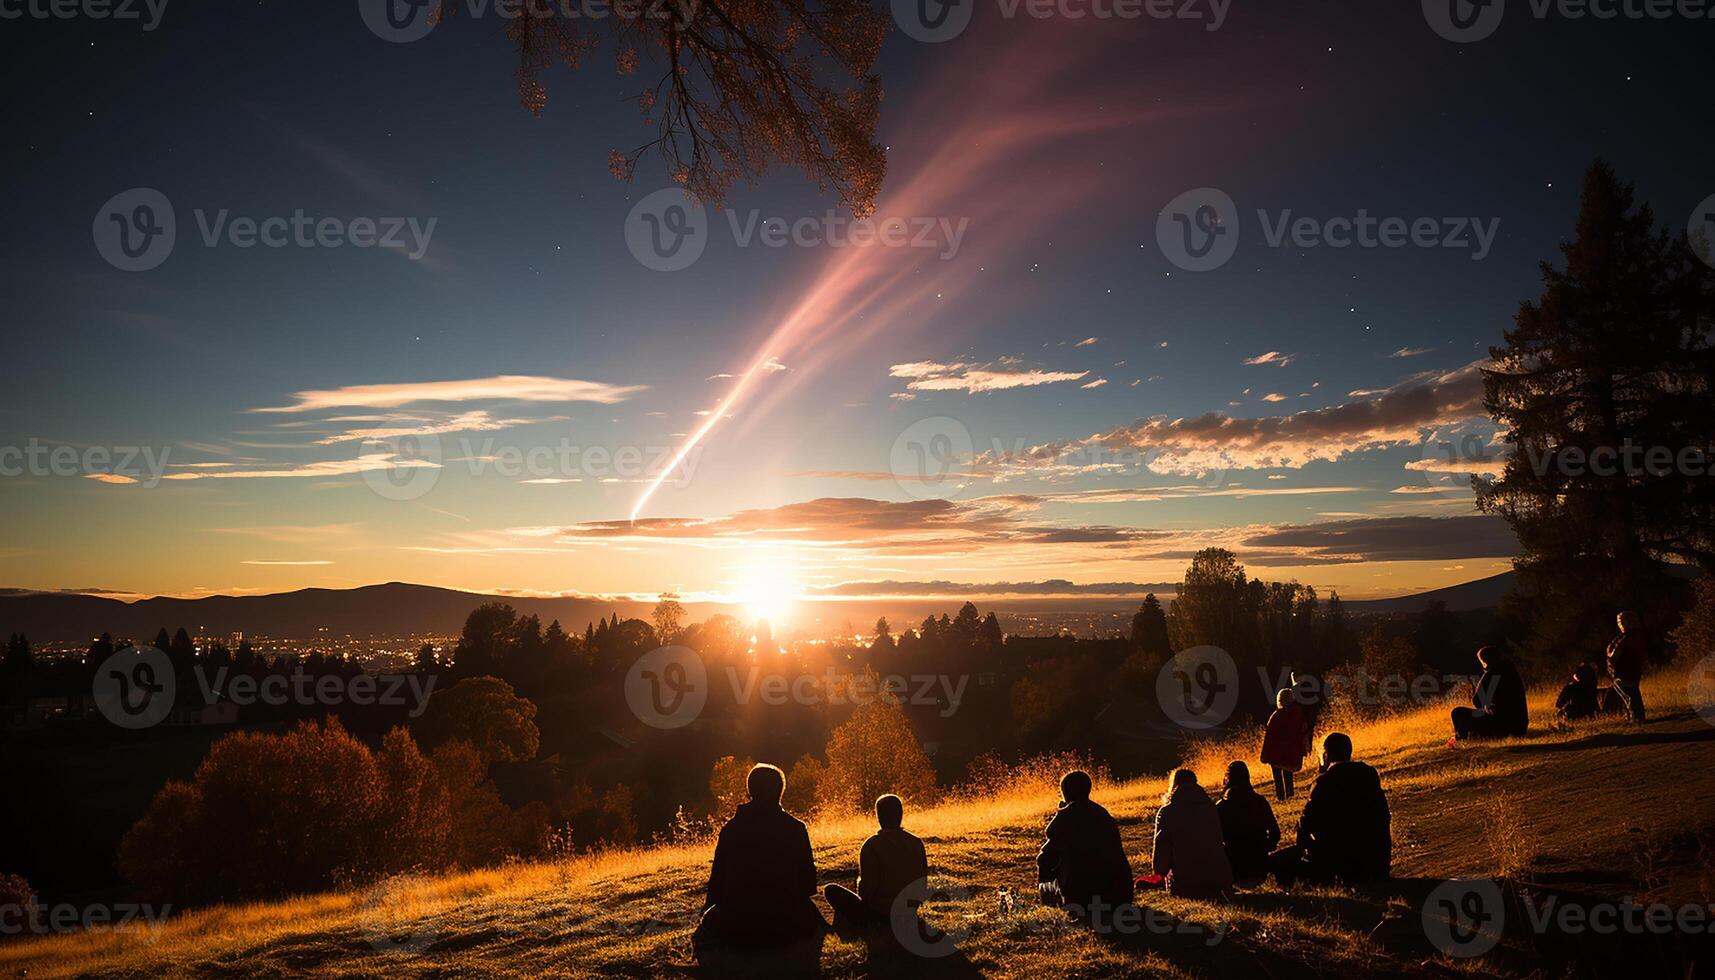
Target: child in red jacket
column 1285, row 743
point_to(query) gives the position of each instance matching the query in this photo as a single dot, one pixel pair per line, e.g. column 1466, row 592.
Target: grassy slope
column 1603, row 810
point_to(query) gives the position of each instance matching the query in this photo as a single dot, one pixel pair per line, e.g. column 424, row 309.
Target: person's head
column 1075, row 786
column 1238, row 778
column 1337, row 747
column 1283, row 697
column 1488, row 657
column 1584, row 673
column 766, row 783
column 1627, row 621
column 889, row 811
column 1181, row 779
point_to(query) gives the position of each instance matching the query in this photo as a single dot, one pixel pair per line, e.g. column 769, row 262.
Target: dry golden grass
column 1555, row 803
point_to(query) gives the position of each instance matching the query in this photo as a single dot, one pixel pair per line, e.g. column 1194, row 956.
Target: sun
column 767, row 589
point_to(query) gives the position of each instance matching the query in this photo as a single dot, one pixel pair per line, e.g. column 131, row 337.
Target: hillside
column 1599, row 812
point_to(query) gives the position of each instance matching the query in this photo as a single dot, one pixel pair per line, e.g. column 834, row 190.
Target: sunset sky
column 1104, row 412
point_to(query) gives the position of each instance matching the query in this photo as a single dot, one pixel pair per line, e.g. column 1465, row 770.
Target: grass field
column 1578, row 818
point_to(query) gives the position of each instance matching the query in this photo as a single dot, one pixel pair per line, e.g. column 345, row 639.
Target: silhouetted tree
column 731, row 90
column 668, row 617
column 1614, row 361
column 883, row 637
column 484, row 712
column 1149, row 629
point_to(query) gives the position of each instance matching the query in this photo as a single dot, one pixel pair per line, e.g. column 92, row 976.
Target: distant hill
column 1483, row 593
column 391, row 609
column 397, row 608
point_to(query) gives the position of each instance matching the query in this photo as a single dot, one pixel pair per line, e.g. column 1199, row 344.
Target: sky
column 1149, row 284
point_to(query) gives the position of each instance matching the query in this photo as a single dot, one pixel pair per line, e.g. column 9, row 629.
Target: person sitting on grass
column 1248, row 828
column 893, row 873
column 1501, row 707
column 763, row 881
column 1285, row 742
column 1627, row 655
column 1346, row 831
column 1189, row 853
column 1082, row 865
column 1580, row 698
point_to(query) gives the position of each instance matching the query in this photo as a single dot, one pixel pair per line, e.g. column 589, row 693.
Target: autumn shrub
column 315, row 808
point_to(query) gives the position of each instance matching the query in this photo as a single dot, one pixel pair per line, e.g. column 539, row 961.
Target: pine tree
column 1613, row 362
column 1149, row 629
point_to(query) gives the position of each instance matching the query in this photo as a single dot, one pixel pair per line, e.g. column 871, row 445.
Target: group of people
column 1627, row 653
column 1204, row 847
column 1499, row 702
column 762, row 884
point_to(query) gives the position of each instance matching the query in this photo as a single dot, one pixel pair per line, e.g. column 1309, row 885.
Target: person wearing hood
column 1082, row 865
column 1189, row 852
column 763, row 879
column 1248, row 827
column 1501, row 709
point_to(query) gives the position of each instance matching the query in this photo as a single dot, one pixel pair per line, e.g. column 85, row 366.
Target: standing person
column 1285, row 742
column 893, row 872
column 1248, row 828
column 1189, row 853
column 1082, row 865
column 1501, row 707
column 763, row 880
column 1627, row 655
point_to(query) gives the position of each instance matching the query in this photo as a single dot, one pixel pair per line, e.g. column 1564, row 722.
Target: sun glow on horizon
column 767, row 587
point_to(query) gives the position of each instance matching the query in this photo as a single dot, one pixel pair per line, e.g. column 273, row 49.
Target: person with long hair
column 1248, row 827
column 1189, row 852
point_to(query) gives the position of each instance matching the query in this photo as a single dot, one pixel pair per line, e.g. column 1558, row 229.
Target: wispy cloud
column 1272, row 357
column 1411, row 351
column 503, row 387
column 1393, row 417
column 975, row 378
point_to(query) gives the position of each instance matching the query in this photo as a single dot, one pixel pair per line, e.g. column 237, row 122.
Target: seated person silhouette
column 893, row 873
column 763, row 882
column 1189, row 852
column 1082, row 866
column 1580, row 698
column 1248, row 828
column 1501, row 708
column 1346, row 832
